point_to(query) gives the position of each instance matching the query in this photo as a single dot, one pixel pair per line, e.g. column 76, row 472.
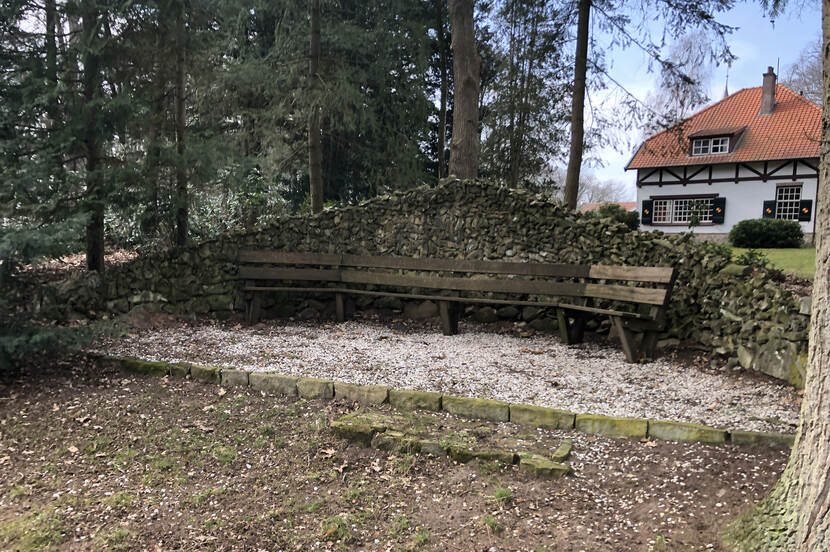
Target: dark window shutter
column 645, row 214
column 805, row 210
column 769, row 209
column 718, row 210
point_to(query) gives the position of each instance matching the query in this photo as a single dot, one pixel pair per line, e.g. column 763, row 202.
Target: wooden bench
column 634, row 297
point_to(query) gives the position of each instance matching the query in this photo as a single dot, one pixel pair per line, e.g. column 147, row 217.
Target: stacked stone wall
column 740, row 314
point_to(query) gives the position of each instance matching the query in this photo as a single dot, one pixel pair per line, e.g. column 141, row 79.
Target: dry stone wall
column 741, row 315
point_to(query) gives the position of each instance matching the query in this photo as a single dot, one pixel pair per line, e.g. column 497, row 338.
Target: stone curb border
column 467, row 407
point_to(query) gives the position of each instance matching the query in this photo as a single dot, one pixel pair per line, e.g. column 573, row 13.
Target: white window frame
column 710, row 146
column 788, row 201
column 676, row 211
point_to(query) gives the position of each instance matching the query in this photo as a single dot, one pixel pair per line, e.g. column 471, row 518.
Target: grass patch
column 114, row 540
column 336, row 528
column 313, row 506
column 33, row 531
column 492, row 525
column 800, row 262
column 502, row 495
column 203, row 497
column 224, row 455
column 121, row 499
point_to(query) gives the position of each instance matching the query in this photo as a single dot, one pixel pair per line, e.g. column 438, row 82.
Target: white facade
column 744, row 186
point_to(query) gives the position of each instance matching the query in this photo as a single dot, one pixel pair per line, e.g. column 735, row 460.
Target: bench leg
column 648, row 345
column 338, row 307
column 571, row 332
column 252, row 312
column 449, row 317
column 629, row 344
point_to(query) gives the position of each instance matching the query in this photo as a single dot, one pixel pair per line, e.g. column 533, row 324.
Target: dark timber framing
column 634, row 297
column 689, row 174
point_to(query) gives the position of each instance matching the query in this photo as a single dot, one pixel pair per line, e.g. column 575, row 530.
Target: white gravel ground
column 479, row 362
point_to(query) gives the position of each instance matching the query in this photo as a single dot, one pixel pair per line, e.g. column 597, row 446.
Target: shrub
column 766, row 232
column 614, row 211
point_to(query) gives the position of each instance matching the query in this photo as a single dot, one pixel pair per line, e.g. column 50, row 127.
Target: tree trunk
column 466, row 65
column 181, row 167
column 442, row 110
column 91, row 92
column 578, row 104
column 315, row 145
column 796, row 514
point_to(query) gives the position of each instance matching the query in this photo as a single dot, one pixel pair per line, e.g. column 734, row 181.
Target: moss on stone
column 539, row 416
column 762, row 439
column 411, row 399
column 209, row 374
column 563, row 452
column 234, row 378
column 314, row 388
column 180, row 370
column 483, row 409
column 680, row 431
column 364, row 394
column 542, row 467
column 146, row 367
column 274, row 383
column 611, row 426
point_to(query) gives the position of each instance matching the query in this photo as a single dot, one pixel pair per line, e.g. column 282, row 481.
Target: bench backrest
column 652, row 284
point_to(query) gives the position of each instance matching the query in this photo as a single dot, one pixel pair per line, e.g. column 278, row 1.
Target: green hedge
column 766, row 232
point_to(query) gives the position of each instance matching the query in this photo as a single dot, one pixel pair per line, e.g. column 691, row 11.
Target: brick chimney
column 768, row 93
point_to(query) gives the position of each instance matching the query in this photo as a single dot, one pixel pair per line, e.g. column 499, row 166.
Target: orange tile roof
column 792, row 131
column 627, row 205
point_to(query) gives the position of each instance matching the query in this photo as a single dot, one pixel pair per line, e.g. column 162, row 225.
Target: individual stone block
column 396, row 441
column 762, row 439
column 364, row 394
column 542, row 467
column 410, row 399
column 539, row 416
column 503, row 456
column 145, row 367
column 180, row 370
column 483, row 409
column 611, row 426
column 274, row 383
column 680, row 431
column 563, row 452
column 314, row 388
column 234, row 378
column 354, row 431
column 434, row 448
column 205, row 373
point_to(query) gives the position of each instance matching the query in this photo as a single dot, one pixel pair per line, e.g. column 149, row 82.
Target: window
column 710, row 146
column 680, row 211
column 787, row 202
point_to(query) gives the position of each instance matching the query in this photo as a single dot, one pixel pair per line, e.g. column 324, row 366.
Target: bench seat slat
column 455, row 298
column 653, row 274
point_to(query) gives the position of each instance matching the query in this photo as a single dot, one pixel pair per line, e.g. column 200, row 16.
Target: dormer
column 715, row 141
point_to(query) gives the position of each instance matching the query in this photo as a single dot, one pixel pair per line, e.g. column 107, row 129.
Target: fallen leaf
column 221, row 391
column 5, row 459
column 72, row 448
column 327, row 453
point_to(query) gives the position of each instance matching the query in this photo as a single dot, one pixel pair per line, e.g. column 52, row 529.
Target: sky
column 756, row 43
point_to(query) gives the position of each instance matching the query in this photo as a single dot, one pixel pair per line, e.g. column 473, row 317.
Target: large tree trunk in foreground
column 92, row 146
column 442, row 111
column 578, row 104
column 315, row 142
column 181, row 168
column 466, row 65
column 796, row 514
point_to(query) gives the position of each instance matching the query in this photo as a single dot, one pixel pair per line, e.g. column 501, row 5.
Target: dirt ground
column 93, row 459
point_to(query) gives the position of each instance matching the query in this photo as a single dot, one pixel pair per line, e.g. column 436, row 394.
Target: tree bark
column 442, row 110
column 91, row 94
column 315, row 145
column 181, row 167
column 796, row 513
column 464, row 146
column 578, row 104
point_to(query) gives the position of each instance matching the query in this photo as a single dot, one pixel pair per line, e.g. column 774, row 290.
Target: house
column 624, row 205
column 753, row 154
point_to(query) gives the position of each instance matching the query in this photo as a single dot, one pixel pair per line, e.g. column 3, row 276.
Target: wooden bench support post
column 338, row 307
column 449, row 317
column 648, row 345
column 627, row 340
column 571, row 332
column 254, row 305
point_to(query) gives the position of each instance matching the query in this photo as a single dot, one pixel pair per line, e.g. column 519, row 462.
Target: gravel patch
column 587, row 378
